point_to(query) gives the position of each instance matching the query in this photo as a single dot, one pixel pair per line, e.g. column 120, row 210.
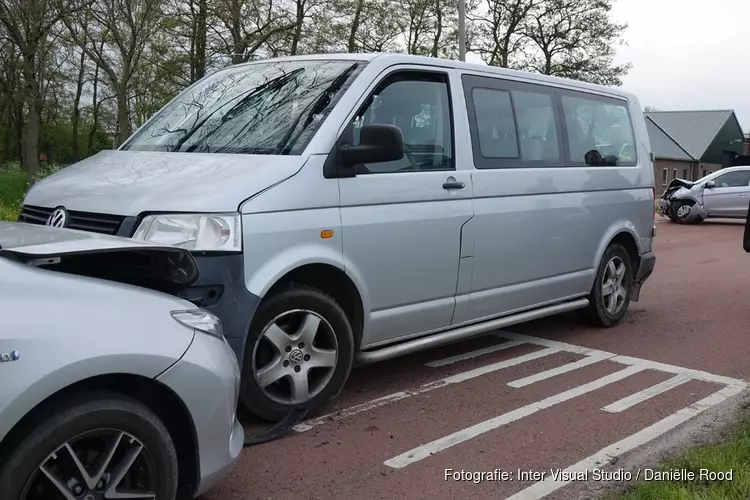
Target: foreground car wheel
column 610, row 295
column 96, row 447
column 299, row 353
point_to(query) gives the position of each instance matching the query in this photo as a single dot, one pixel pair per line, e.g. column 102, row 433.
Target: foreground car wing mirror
column 710, row 185
column 377, row 143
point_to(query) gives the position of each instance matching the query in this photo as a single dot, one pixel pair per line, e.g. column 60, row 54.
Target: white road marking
column 493, row 367
column 663, row 367
column 426, row 450
column 352, row 410
column 569, row 367
column 625, row 360
column 474, row 354
column 604, row 456
column 648, row 393
column 430, row 386
column 552, row 346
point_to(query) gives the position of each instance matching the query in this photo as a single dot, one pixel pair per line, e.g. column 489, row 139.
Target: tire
column 85, row 422
column 597, row 313
column 273, row 394
column 679, row 206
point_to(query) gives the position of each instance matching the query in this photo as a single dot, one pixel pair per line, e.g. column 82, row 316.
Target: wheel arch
column 333, row 281
column 625, row 235
column 157, row 397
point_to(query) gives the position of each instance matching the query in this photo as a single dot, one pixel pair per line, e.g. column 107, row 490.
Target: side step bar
column 463, row 333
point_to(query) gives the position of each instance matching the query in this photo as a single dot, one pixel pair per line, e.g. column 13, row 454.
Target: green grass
column 732, row 454
column 12, row 188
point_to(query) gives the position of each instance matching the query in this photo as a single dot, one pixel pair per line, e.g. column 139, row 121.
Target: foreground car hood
column 157, row 267
column 132, row 182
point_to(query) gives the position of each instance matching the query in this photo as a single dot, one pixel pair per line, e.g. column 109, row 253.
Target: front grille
column 84, row 221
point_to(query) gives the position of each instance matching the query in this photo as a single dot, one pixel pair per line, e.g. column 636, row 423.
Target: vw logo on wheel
column 296, row 357
column 58, row 218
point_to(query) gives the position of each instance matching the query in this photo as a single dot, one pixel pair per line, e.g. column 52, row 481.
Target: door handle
column 453, row 185
column 743, row 195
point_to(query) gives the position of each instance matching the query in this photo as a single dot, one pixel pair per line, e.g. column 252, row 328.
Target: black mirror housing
column 377, row 143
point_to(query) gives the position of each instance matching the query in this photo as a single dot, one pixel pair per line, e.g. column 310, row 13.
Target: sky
column 686, row 54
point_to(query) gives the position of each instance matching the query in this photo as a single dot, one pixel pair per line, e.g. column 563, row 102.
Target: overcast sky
column 686, row 54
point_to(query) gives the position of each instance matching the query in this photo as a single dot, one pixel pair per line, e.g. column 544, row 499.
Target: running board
column 465, row 332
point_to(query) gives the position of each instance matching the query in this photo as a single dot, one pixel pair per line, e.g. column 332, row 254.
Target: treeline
column 76, row 76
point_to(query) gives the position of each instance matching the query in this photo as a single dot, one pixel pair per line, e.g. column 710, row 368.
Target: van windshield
column 267, row 108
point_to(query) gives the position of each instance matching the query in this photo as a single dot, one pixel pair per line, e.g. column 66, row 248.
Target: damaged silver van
column 724, row 193
column 354, row 208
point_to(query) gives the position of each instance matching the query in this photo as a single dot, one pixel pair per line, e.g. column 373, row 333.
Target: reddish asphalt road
column 693, row 314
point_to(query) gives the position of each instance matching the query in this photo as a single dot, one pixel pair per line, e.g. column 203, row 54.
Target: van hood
column 163, row 268
column 131, row 182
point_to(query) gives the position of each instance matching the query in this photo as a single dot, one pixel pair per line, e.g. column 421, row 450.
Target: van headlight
column 198, row 232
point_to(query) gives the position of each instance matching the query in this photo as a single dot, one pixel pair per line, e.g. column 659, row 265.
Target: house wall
column 684, row 169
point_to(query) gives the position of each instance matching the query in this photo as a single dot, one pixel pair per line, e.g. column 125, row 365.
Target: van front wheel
column 299, row 353
column 610, row 295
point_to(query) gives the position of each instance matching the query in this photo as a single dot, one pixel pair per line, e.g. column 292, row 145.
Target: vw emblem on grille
column 58, row 218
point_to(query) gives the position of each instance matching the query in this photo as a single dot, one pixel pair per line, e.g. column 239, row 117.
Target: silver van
column 353, row 208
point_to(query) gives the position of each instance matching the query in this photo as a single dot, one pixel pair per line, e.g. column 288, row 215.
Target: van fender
column 259, row 281
column 617, row 227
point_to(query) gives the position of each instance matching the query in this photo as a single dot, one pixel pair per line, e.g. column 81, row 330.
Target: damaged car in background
column 722, row 194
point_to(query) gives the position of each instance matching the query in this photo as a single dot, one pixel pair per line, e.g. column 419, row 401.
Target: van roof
column 396, row 58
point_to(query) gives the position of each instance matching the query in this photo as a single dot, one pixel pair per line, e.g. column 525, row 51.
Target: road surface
column 536, row 407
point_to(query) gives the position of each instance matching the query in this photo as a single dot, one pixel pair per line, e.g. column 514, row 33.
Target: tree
column 575, row 39
column 28, row 24
column 499, row 33
column 119, row 35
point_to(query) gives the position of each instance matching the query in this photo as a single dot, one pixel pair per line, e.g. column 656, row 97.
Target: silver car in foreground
column 724, row 193
column 108, row 390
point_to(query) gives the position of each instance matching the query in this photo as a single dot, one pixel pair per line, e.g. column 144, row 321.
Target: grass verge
column 733, row 454
column 12, row 188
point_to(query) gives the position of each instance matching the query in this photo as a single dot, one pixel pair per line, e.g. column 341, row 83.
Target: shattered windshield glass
column 267, row 108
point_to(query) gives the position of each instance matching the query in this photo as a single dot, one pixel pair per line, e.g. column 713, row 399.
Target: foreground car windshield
column 265, row 108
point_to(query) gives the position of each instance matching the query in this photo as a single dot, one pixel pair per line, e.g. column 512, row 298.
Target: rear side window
column 512, row 124
column 599, row 129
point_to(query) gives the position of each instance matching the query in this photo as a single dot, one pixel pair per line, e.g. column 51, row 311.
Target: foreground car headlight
column 199, row 232
column 198, row 319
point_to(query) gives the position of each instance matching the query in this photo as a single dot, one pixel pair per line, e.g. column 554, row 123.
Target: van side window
column 536, row 125
column 496, row 128
column 600, row 132
column 513, row 124
column 420, row 107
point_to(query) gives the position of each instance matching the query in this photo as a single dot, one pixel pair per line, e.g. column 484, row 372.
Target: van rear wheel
column 298, row 354
column 610, row 295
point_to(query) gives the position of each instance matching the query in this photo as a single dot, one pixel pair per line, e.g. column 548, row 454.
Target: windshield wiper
column 233, row 111
column 315, row 107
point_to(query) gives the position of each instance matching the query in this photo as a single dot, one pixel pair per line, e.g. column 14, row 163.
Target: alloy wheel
column 295, row 357
column 96, row 465
column 614, row 292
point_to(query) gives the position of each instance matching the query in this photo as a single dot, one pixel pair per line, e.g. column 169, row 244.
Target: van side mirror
column 710, row 185
column 377, row 143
